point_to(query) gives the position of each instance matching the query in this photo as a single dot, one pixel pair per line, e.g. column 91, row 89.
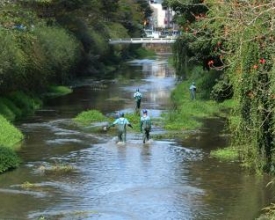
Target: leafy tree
column 91, row 21
column 249, row 54
column 48, row 41
column 198, row 46
column 238, row 38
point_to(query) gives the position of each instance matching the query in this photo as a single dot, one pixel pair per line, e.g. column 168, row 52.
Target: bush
column 8, row 159
column 225, row 154
column 54, row 91
column 12, row 62
column 6, row 111
column 90, row 116
column 60, row 50
column 25, row 102
column 10, row 135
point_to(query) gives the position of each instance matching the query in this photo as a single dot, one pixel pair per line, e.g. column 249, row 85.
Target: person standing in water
column 145, row 126
column 138, row 97
column 121, row 123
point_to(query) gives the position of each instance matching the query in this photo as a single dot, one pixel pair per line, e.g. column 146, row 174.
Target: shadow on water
column 164, row 179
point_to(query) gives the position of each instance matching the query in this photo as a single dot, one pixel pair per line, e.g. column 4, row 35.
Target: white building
column 160, row 18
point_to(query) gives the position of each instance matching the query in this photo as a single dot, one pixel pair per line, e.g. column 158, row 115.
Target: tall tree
column 238, row 37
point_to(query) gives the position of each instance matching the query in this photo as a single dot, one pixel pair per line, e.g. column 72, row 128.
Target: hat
column 121, row 114
column 144, row 111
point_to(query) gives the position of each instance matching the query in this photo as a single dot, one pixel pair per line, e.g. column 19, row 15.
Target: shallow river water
column 166, row 179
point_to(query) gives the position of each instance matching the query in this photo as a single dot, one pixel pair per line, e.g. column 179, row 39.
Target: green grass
column 10, row 135
column 18, row 104
column 8, row 159
column 6, row 110
column 27, row 103
column 54, row 91
column 9, row 138
column 90, row 116
column 225, row 154
column 134, row 119
column 187, row 113
column 94, row 116
column 12, row 107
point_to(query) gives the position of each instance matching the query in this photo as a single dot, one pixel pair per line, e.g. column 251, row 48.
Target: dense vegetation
column 233, row 42
column 50, row 41
column 47, row 43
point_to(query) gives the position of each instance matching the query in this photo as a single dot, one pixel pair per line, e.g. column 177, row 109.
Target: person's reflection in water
column 145, row 157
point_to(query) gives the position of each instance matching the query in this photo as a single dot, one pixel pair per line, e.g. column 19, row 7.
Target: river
column 165, row 180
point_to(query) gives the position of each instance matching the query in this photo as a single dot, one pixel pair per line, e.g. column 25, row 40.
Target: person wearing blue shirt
column 121, row 123
column 138, row 97
column 145, row 126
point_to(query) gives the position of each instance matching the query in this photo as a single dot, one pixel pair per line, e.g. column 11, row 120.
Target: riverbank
column 9, row 140
column 13, row 108
column 188, row 115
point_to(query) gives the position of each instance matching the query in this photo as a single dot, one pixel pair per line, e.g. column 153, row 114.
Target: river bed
column 166, row 179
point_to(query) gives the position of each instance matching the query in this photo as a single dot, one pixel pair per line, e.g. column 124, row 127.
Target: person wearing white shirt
column 138, row 97
column 193, row 89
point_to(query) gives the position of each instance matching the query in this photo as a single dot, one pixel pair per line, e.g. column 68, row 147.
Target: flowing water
column 166, row 179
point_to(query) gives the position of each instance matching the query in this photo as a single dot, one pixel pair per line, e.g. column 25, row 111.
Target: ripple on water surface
column 131, row 182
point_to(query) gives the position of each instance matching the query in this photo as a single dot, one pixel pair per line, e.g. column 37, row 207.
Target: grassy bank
column 9, row 141
column 10, row 135
column 54, row 91
column 17, row 105
column 185, row 112
column 186, row 115
column 13, row 107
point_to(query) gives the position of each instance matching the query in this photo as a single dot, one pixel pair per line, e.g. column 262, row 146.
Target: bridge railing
column 141, row 40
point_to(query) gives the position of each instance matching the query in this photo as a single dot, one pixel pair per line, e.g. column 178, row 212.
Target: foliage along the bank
column 90, row 116
column 51, row 41
column 236, row 39
column 9, row 134
column 8, row 159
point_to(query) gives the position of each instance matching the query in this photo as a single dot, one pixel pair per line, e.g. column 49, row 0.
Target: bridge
column 142, row 41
